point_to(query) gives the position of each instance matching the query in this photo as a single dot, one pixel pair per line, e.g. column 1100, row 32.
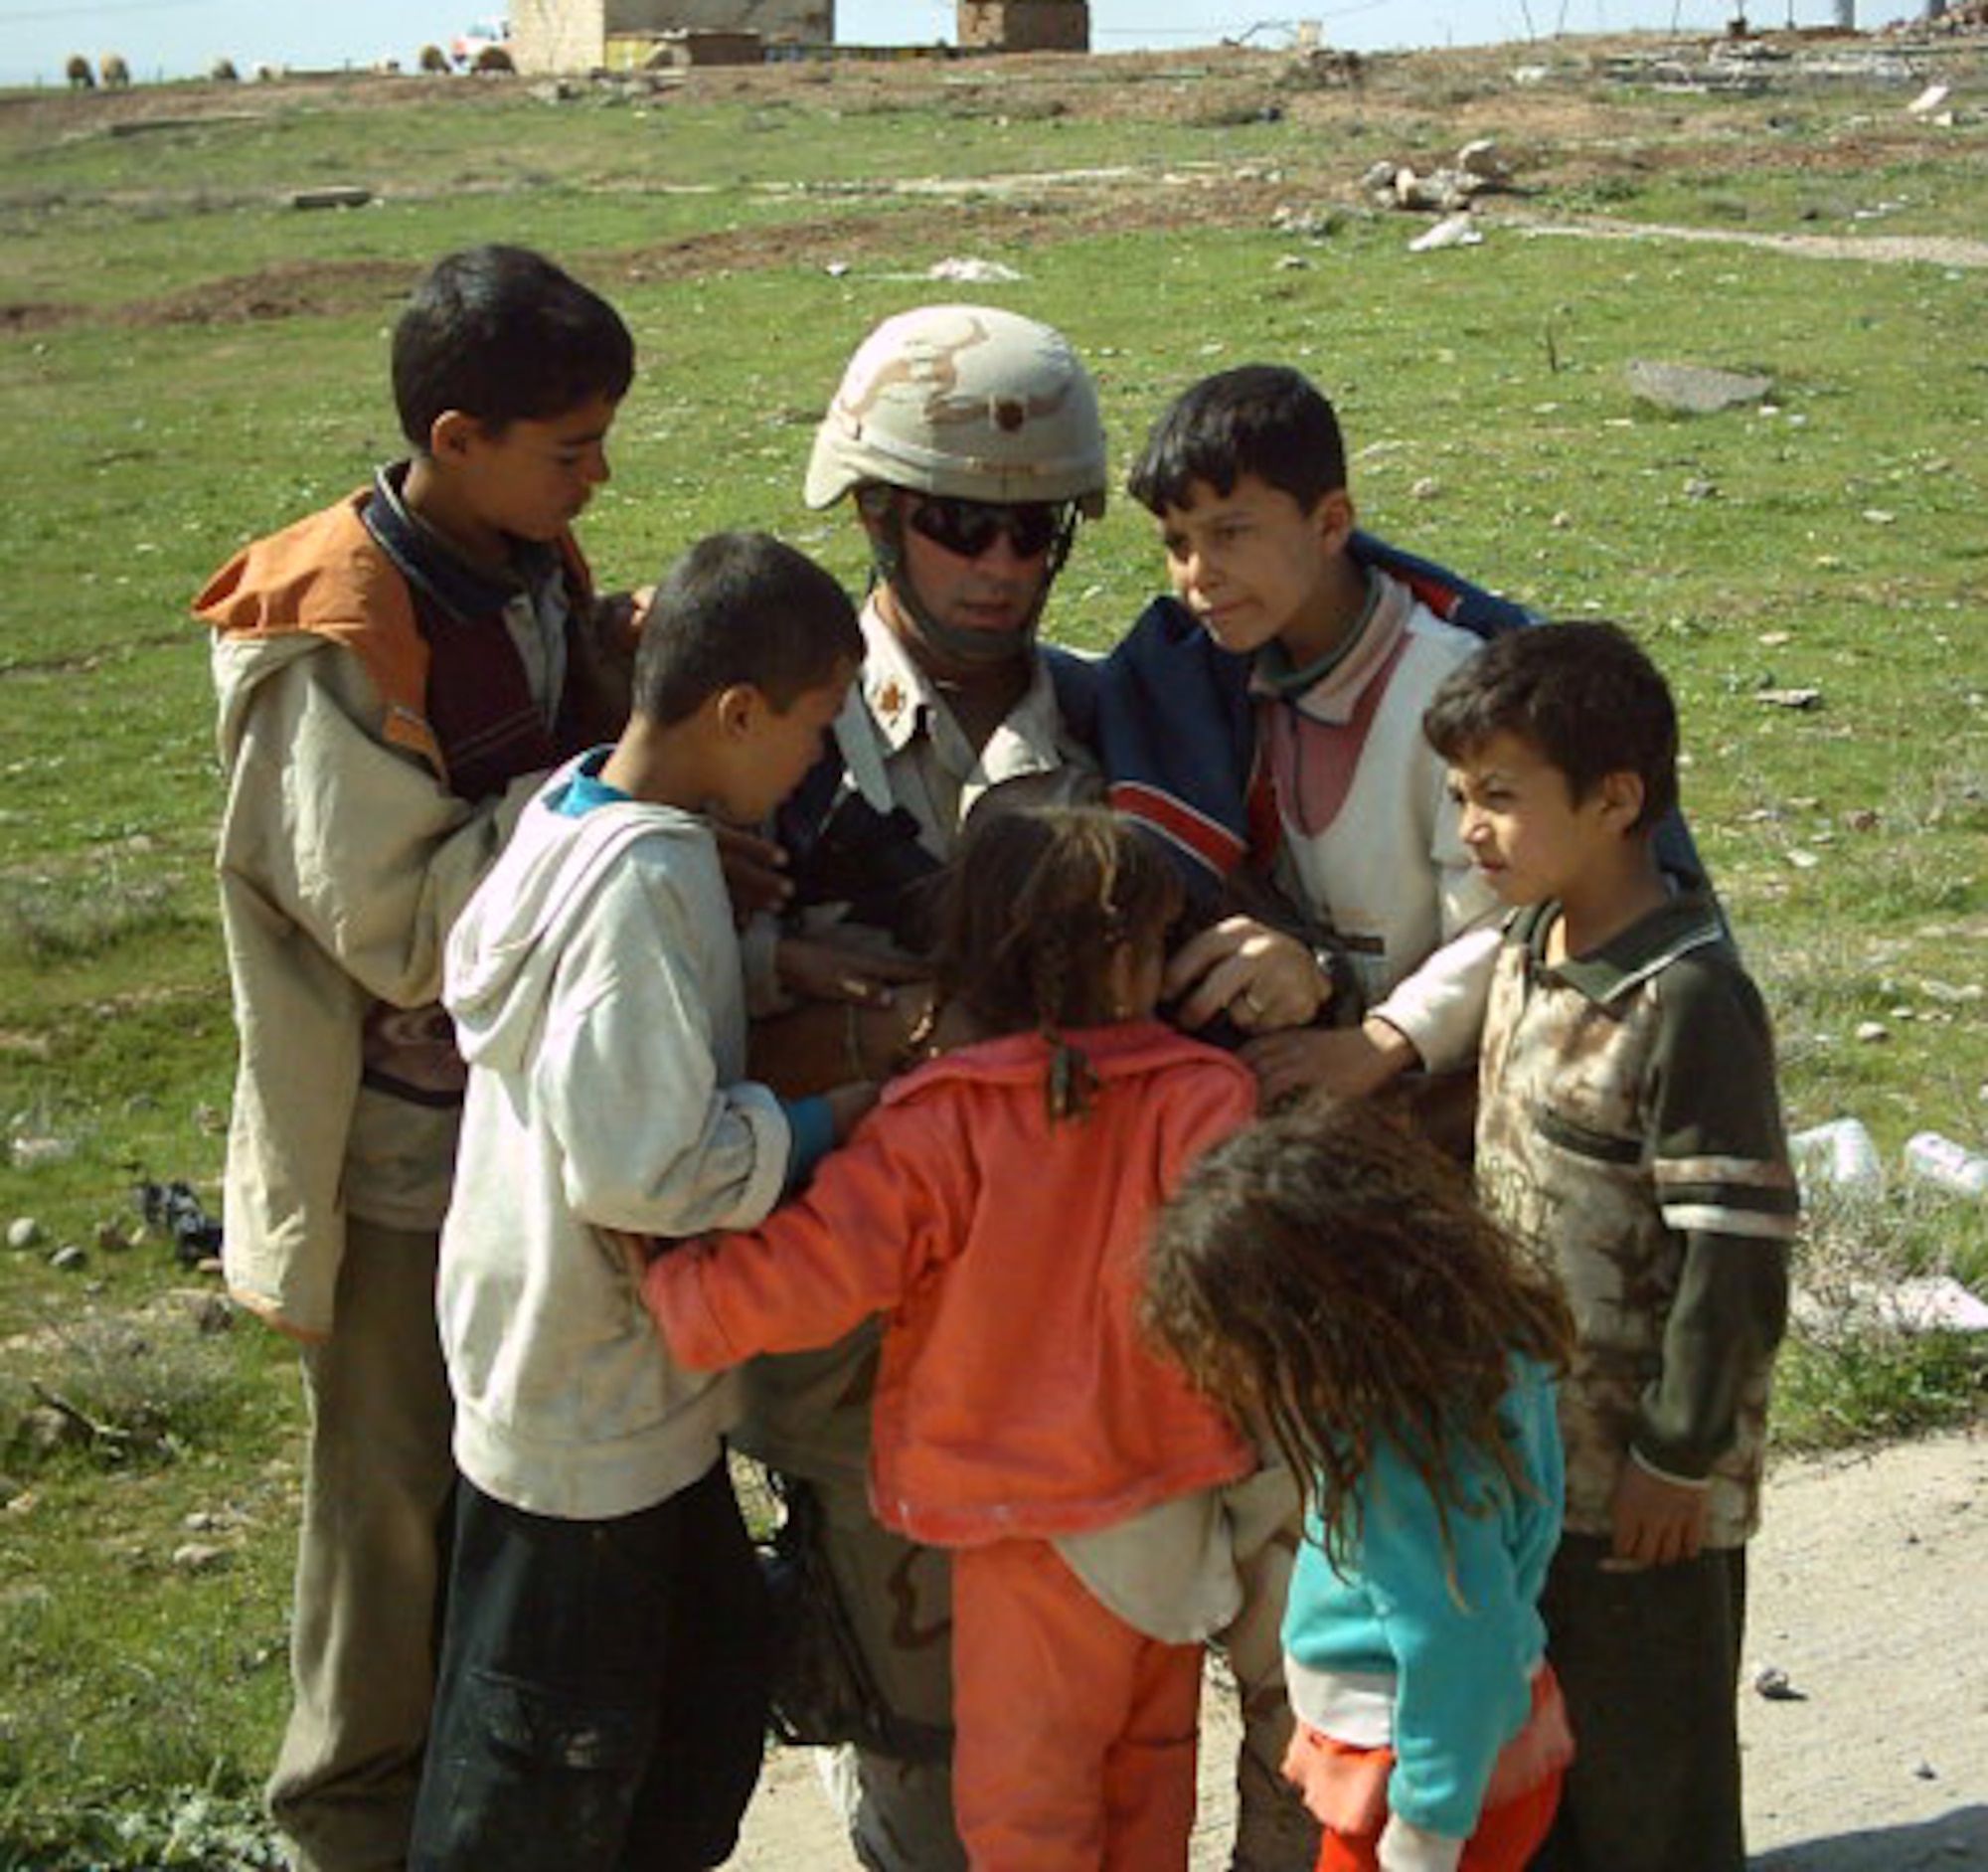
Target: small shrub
column 119, row 1387
column 1851, row 1370
column 50, row 920
column 194, row 1828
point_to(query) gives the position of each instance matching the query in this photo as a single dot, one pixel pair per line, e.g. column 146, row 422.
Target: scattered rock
column 1308, row 224
column 111, row 1239
column 1871, row 1032
column 32, row 1154
column 1426, row 488
column 1774, row 1683
column 1929, row 100
column 23, row 1232
column 1479, row 169
column 44, row 1430
column 1926, row 1772
column 338, row 195
column 1455, row 230
column 1694, row 389
column 209, row 1314
column 1788, row 698
column 69, row 1258
column 973, row 272
column 200, row 1557
column 1318, row 68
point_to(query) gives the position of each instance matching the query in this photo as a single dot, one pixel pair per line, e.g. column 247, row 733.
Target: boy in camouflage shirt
column 1629, row 1124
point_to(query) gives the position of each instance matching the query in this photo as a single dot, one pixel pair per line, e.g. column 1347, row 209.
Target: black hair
column 742, row 608
column 1328, row 1277
column 503, row 335
column 1031, row 912
column 1264, row 420
column 1582, row 693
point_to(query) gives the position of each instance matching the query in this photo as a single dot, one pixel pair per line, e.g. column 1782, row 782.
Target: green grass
column 1829, row 542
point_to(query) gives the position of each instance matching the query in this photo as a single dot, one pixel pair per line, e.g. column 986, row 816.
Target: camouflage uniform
column 979, row 405
column 1630, row 1127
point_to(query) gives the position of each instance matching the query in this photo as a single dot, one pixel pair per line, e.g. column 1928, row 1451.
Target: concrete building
column 1023, row 25
column 573, row 34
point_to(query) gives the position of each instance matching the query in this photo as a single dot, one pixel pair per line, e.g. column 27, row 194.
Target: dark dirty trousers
column 602, row 1691
column 1649, row 1665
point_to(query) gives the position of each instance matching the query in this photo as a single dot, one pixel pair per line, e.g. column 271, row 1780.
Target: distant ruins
column 1024, row 25
column 556, row 36
column 582, row 35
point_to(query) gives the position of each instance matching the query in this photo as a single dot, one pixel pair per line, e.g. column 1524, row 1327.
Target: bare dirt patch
column 1867, row 1588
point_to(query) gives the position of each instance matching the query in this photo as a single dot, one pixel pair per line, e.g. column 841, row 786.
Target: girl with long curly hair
column 1330, row 1280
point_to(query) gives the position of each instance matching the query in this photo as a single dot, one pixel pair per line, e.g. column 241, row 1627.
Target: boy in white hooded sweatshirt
column 602, row 1679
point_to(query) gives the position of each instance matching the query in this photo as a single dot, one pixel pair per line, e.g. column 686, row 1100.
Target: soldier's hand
column 1263, row 978
column 818, row 968
column 1350, row 1062
column 755, row 870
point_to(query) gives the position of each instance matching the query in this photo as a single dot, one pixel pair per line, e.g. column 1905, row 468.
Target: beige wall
column 558, row 35
column 571, row 35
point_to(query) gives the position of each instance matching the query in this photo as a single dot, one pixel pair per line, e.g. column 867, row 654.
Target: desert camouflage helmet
column 968, row 400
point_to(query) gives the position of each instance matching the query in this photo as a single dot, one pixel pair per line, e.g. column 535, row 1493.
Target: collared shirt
column 1629, row 1128
column 537, row 609
column 1369, row 832
column 1315, row 738
column 904, row 747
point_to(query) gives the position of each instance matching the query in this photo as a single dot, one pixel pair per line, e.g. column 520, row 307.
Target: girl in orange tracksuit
column 995, row 1205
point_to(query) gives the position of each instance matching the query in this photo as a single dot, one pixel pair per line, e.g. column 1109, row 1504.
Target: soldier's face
column 993, row 590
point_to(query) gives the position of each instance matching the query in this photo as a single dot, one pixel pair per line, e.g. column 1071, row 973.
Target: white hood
column 506, row 946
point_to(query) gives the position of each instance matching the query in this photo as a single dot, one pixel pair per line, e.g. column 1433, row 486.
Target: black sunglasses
column 968, row 527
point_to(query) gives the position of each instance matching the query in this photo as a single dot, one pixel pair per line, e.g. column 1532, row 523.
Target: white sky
column 181, row 37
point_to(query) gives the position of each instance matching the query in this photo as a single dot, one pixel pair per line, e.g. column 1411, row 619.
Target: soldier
column 969, row 440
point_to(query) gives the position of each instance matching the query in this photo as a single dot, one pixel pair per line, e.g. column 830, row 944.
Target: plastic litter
column 1949, row 1165
column 1840, row 1155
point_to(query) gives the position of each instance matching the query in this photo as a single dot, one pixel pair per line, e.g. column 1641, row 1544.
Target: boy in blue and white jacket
column 602, row 1693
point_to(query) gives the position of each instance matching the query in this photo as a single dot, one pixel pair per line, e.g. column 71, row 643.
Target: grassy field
column 185, row 360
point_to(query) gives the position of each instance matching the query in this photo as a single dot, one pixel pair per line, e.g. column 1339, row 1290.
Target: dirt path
column 1923, row 249
column 1869, row 1590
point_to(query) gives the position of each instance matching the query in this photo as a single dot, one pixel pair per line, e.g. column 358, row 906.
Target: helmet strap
column 986, row 649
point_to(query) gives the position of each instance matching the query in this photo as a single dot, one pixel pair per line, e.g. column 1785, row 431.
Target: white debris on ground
column 973, row 272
